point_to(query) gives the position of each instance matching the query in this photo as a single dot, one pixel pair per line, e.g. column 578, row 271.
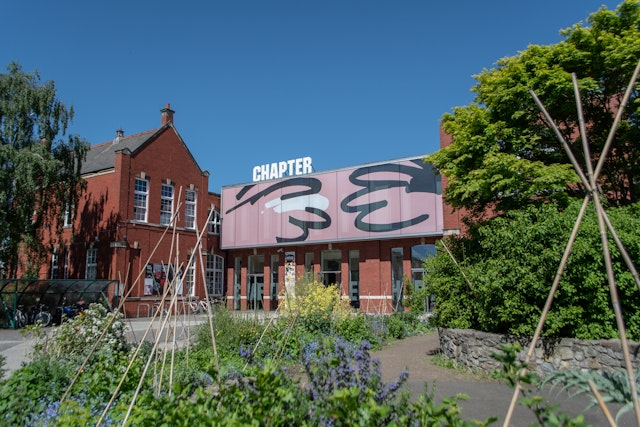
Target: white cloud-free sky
column 260, row 81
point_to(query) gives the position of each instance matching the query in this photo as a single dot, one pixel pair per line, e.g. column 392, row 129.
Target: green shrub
column 357, row 328
column 29, row 389
column 231, row 332
column 37, row 387
column 510, row 262
column 396, row 327
column 419, row 300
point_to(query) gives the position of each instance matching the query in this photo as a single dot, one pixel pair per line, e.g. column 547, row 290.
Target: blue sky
column 259, row 81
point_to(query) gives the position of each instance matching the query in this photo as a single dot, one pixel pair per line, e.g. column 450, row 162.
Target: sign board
column 399, row 198
column 277, row 170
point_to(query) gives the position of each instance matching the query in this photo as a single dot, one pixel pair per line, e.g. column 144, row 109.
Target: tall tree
column 40, row 171
column 504, row 154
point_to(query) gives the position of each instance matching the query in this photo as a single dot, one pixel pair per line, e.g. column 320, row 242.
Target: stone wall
column 474, row 350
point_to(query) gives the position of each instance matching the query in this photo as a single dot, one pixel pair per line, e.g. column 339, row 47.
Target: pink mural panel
column 381, row 200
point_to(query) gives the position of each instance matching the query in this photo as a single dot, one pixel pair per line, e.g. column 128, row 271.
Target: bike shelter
column 23, row 294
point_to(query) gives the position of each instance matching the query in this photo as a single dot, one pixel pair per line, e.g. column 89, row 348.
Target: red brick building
column 147, row 217
column 139, row 221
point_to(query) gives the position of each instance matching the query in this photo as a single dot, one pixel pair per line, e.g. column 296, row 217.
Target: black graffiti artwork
column 314, row 186
column 305, row 226
column 420, row 179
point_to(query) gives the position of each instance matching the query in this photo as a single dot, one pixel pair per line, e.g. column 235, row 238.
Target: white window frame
column 214, row 222
column 55, row 265
column 68, row 215
column 190, row 279
column 214, row 274
column 91, row 269
column 190, row 205
column 141, row 200
column 329, row 257
column 166, row 204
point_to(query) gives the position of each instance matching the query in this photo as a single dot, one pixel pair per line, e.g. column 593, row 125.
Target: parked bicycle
column 196, row 305
column 39, row 315
column 201, row 305
column 16, row 319
column 75, row 309
column 66, row 312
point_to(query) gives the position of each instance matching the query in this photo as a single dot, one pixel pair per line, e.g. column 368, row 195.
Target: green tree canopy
column 505, row 155
column 510, row 262
column 40, row 172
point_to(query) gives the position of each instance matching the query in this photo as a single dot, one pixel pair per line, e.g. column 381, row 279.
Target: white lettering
column 306, row 165
column 275, row 170
column 290, row 163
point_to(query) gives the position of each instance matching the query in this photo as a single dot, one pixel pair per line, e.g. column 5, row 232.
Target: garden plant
column 293, row 371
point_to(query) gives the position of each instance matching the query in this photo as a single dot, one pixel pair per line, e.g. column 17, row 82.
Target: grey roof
column 102, row 156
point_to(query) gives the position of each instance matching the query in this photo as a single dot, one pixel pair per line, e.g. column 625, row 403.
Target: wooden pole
column 590, row 183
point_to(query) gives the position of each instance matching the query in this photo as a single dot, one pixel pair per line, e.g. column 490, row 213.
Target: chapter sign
column 276, row 170
column 398, row 198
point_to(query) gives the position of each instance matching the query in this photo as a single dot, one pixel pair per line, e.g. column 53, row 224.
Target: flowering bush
column 319, row 307
column 344, row 379
column 75, row 337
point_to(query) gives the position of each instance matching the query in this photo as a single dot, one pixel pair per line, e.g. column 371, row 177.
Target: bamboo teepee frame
column 166, row 326
column 593, row 193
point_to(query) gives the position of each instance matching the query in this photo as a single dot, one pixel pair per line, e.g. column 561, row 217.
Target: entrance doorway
column 255, row 283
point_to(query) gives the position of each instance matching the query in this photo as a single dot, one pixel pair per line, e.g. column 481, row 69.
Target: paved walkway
column 486, row 397
column 16, row 347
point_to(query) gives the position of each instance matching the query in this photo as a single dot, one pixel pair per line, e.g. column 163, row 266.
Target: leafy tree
column 504, row 154
column 509, row 264
column 40, row 172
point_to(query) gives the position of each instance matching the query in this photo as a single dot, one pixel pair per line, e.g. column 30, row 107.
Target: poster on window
column 290, row 273
column 154, row 280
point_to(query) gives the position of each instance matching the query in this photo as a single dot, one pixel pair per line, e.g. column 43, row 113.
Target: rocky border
column 474, row 349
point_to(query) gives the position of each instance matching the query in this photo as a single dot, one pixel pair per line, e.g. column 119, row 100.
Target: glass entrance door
column 255, row 283
column 255, row 291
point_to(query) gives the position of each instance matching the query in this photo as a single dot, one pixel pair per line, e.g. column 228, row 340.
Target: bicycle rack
column 147, row 306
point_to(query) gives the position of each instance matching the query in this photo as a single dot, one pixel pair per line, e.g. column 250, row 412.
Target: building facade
column 148, row 221
column 146, row 217
column 366, row 229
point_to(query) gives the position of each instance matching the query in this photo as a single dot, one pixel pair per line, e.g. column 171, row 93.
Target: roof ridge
column 126, row 137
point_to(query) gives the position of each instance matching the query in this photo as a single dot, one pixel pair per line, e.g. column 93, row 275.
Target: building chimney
column 119, row 135
column 167, row 115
